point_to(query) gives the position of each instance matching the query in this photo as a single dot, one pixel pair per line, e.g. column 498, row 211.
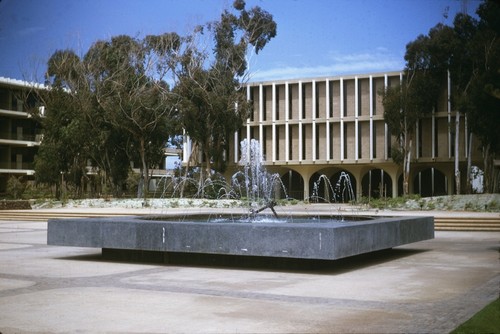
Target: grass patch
column 485, row 321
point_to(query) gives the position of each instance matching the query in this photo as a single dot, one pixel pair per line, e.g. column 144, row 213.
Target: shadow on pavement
column 249, row 262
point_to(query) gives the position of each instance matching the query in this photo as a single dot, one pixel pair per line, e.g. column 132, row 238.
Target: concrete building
column 318, row 134
column 20, row 134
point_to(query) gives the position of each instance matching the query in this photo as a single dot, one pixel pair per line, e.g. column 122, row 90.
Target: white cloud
column 30, row 31
column 379, row 60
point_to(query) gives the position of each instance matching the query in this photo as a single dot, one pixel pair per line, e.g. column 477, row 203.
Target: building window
column 316, row 99
column 316, row 144
column 264, row 103
column 332, row 142
column 304, row 133
column 277, row 104
column 420, row 137
column 303, row 101
column 436, row 138
column 345, row 141
column 276, row 143
column 360, row 141
column 332, row 97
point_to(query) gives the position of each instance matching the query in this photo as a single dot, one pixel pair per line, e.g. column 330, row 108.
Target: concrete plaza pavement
column 426, row 287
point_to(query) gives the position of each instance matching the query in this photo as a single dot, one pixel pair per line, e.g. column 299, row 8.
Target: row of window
column 323, row 99
column 350, row 140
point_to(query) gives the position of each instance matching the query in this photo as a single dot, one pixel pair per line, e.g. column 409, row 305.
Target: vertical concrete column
column 301, row 107
column 371, row 116
column 306, row 176
column 341, row 119
column 327, row 113
column 394, row 185
column 313, row 137
column 356, row 121
column 274, row 123
column 261, row 117
column 387, row 135
column 236, row 147
column 287, row 126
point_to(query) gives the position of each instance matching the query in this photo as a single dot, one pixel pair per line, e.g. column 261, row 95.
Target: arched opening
column 339, row 188
column 430, row 182
column 294, row 185
column 344, row 185
column 376, row 184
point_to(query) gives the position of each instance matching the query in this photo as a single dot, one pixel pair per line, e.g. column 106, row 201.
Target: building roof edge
column 322, row 78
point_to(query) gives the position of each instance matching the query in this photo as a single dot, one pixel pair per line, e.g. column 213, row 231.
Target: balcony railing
column 21, row 137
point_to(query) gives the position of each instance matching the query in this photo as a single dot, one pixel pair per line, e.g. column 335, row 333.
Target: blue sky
column 316, row 38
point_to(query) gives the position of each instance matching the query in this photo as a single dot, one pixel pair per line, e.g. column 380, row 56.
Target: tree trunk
column 469, row 166
column 457, row 142
column 406, row 169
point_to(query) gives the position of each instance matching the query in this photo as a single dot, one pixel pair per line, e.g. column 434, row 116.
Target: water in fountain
column 254, row 183
column 257, row 189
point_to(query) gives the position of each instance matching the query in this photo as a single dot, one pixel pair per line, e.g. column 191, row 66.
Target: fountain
column 342, row 192
column 251, row 233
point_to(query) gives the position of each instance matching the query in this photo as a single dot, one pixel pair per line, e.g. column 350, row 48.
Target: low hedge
column 15, row 205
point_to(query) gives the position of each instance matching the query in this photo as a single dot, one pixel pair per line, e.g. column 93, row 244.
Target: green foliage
column 397, row 155
column 214, row 105
column 16, row 186
column 485, row 321
column 132, row 183
column 38, row 191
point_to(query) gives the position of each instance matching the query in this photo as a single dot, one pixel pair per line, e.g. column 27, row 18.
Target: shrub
column 16, row 186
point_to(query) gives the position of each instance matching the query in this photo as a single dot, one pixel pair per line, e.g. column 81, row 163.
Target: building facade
column 20, row 134
column 323, row 135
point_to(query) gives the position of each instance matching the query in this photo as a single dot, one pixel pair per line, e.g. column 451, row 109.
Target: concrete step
column 44, row 216
column 470, row 223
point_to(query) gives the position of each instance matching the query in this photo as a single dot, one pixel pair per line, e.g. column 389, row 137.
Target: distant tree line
column 121, row 101
column 469, row 52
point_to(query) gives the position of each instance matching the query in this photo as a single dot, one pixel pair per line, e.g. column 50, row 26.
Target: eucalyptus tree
column 63, row 151
column 485, row 91
column 469, row 51
column 214, row 103
column 405, row 104
column 127, row 76
column 449, row 55
column 74, row 130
